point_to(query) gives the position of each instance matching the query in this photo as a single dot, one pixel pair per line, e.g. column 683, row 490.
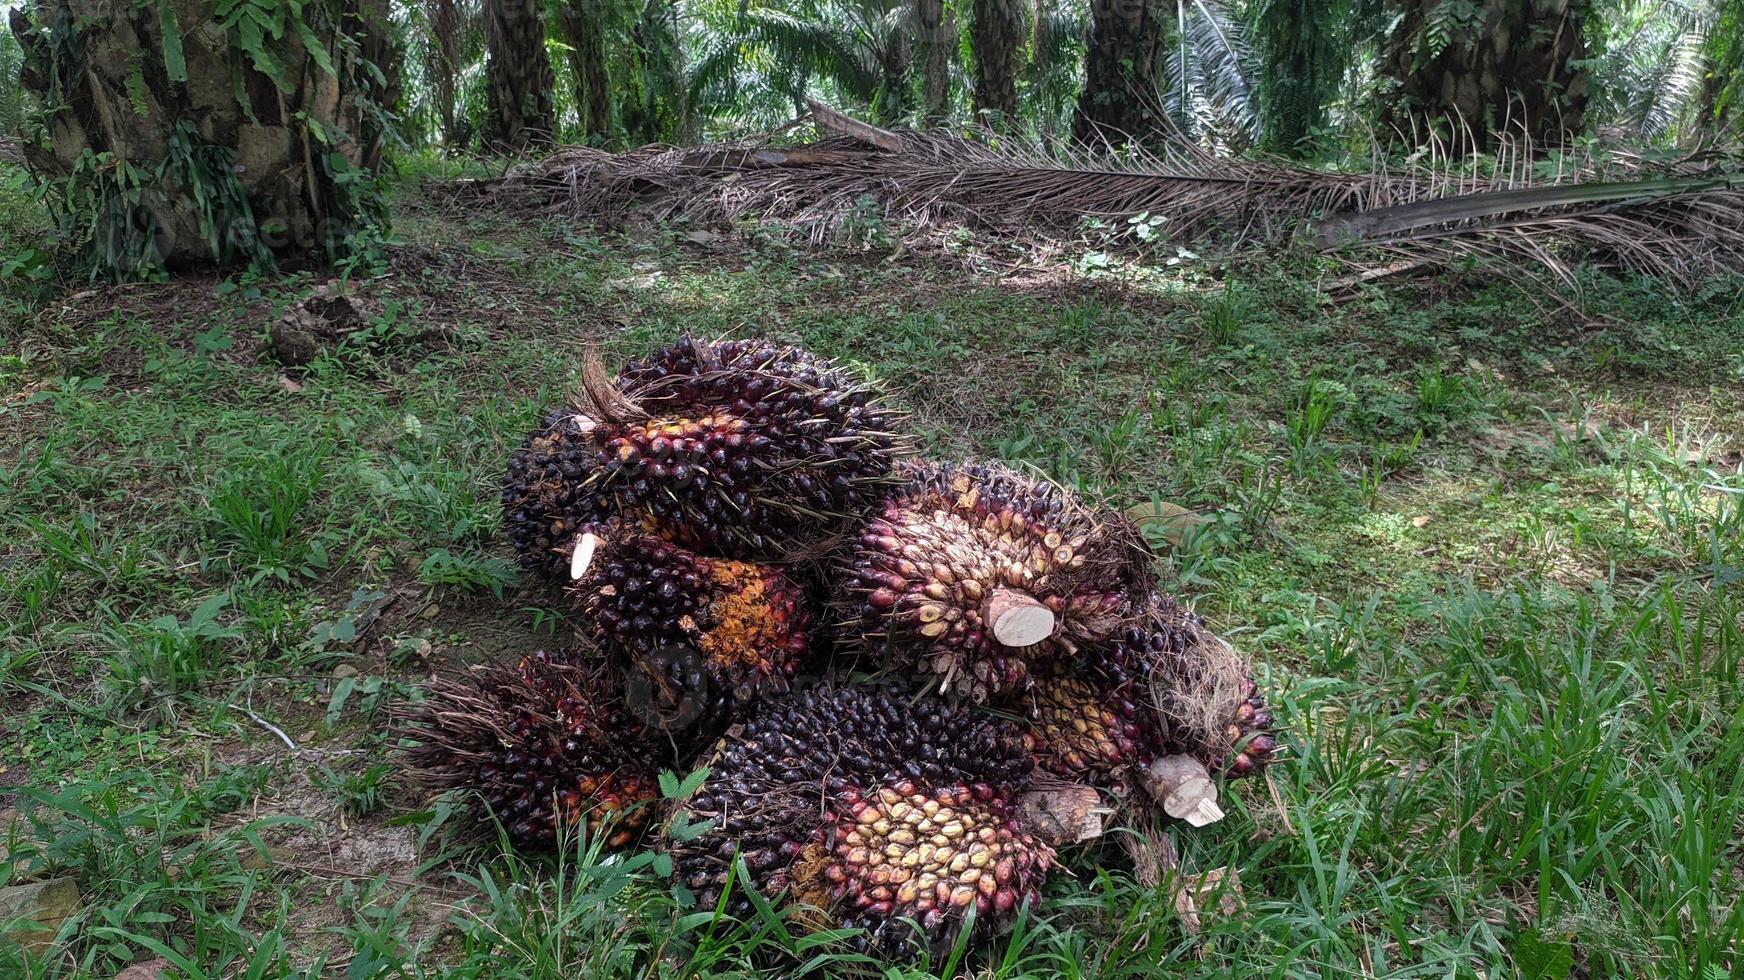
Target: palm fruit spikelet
column 745, row 625
column 866, row 808
column 1095, row 717
column 741, row 447
column 1087, row 725
column 897, row 851
column 979, row 574
column 545, row 742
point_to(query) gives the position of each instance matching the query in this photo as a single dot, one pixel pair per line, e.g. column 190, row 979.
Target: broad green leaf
column 175, row 64
column 313, row 45
column 207, row 611
column 336, row 704
column 692, row 782
column 1543, row 958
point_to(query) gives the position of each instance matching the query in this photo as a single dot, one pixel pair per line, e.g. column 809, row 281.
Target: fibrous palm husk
column 1682, row 220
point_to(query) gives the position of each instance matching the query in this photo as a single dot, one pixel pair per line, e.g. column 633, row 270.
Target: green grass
column 1487, row 554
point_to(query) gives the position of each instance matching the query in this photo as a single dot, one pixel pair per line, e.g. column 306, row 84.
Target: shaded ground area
column 1487, row 550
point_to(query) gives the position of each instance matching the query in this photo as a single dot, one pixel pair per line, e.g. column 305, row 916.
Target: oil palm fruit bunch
column 545, row 742
column 865, row 809
column 742, row 447
column 1200, row 689
column 1165, row 686
column 979, row 574
column 549, row 492
column 705, row 634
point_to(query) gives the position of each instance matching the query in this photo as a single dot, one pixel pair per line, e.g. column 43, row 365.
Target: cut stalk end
column 1185, row 789
column 582, row 556
column 1017, row 619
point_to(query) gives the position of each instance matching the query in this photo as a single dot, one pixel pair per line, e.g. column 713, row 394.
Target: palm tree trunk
column 996, row 38
column 659, row 111
column 937, row 41
column 522, row 106
column 1123, row 71
column 217, row 155
column 370, row 23
column 895, row 61
column 585, row 26
column 1723, row 86
column 1304, row 54
column 1514, row 69
column 444, row 68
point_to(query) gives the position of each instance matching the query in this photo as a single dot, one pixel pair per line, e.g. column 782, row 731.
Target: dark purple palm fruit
column 865, row 809
column 549, row 492
column 980, row 575
column 545, row 743
column 745, row 448
column 706, row 635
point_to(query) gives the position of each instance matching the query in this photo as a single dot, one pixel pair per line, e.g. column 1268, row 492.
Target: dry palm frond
column 1682, row 220
column 938, row 177
column 1680, row 229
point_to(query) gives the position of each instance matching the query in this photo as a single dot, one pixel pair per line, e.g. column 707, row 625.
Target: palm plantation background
column 1333, row 81
column 1272, row 273
column 1292, row 76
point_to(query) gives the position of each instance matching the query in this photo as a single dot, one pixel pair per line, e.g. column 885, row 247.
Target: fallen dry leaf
column 152, row 969
column 1217, row 891
column 45, row 903
column 1171, row 521
column 1153, row 856
column 253, row 860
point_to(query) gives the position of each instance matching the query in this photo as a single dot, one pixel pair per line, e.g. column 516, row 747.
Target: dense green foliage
column 12, row 98
column 1307, row 48
column 1236, row 72
column 1723, row 85
column 1327, row 79
column 1292, row 75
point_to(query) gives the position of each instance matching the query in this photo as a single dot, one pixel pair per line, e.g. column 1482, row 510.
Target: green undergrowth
column 1486, row 552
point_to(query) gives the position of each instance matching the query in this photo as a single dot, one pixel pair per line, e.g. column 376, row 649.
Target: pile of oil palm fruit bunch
column 882, row 662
